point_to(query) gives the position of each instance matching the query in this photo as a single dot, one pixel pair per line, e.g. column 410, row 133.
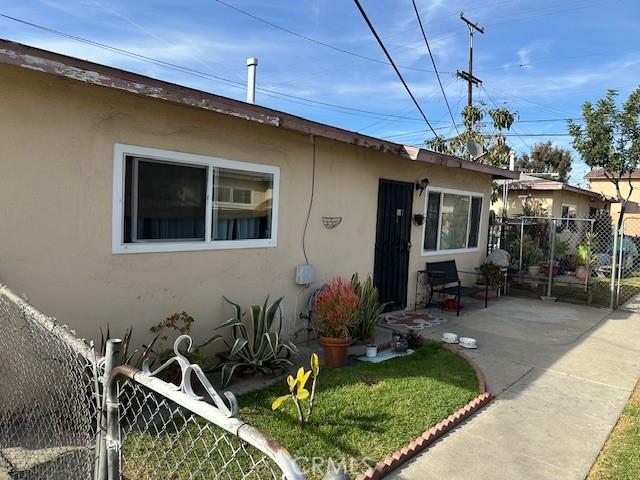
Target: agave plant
column 257, row 346
column 135, row 358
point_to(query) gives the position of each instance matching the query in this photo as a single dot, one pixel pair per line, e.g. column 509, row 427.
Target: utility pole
column 468, row 76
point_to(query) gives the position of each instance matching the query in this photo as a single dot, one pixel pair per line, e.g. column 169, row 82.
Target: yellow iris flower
column 296, row 388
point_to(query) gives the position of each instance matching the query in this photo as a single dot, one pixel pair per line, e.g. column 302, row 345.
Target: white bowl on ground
column 449, row 337
column 468, row 342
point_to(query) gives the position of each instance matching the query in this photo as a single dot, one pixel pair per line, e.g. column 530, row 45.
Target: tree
column 610, row 140
column 546, row 158
column 494, row 144
column 497, row 151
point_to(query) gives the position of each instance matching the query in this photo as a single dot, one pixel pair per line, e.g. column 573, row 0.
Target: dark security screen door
column 391, row 264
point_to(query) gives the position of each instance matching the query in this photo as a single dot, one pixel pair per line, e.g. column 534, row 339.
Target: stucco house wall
column 551, row 201
column 516, row 199
column 56, row 208
column 582, row 202
column 606, row 187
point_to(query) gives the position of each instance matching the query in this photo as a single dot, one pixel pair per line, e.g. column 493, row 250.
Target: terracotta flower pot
column 335, row 351
column 582, row 272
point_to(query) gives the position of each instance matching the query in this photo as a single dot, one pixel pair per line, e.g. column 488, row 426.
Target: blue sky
column 541, row 58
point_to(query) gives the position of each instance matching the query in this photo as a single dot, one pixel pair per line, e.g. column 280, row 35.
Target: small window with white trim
column 171, row 201
column 452, row 221
column 568, row 213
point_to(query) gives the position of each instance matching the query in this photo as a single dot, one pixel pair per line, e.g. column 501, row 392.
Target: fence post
column 521, row 242
column 109, row 428
column 614, row 257
column 620, row 262
column 551, row 256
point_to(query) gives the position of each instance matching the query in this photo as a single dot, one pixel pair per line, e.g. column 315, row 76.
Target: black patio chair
column 442, row 277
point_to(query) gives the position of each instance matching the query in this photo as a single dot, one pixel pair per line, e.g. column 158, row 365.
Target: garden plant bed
column 367, row 412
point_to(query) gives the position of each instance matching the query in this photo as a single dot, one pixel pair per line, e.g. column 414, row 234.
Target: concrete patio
column 561, row 374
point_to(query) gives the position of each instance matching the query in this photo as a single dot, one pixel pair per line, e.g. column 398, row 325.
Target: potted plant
column 490, row 275
column 369, row 309
column 560, row 248
column 535, row 257
column 585, row 258
column 335, row 312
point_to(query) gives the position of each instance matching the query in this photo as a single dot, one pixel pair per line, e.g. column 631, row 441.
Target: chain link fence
column 628, row 265
column 571, row 259
column 48, row 397
column 162, row 439
column 64, row 414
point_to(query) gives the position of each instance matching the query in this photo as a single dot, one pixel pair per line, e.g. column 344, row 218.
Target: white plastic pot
column 371, row 351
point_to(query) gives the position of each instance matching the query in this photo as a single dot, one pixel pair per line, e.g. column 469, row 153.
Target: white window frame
column 442, row 191
column 120, row 153
column 569, row 206
column 566, row 221
column 233, row 199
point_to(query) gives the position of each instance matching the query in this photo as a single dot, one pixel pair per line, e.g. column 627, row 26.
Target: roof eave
column 32, row 58
column 451, row 161
column 569, row 188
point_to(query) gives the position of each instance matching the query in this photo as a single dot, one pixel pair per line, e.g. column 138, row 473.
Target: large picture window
column 170, row 201
column 452, row 221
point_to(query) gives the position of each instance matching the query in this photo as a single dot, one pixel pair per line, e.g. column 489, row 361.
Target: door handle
column 409, row 245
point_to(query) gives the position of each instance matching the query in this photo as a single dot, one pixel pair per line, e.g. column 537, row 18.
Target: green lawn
column 620, row 457
column 365, row 412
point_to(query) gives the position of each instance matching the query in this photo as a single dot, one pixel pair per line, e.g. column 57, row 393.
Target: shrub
column 369, row 308
column 335, row 309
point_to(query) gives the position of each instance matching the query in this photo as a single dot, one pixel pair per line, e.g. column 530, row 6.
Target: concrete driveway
column 561, row 374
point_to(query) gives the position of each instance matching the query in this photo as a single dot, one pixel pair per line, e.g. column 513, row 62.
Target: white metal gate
column 159, row 430
column 65, row 414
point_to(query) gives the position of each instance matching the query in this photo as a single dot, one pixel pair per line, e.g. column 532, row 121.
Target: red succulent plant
column 335, row 308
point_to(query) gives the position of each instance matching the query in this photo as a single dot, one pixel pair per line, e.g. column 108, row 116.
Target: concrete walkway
column 561, row 374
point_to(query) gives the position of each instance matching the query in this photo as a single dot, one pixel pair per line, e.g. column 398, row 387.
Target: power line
column 209, row 76
column 404, row 110
column 514, row 134
column 433, row 62
column 575, row 57
column 514, row 130
column 384, row 49
column 539, row 105
column 537, row 120
column 509, row 20
column 313, row 40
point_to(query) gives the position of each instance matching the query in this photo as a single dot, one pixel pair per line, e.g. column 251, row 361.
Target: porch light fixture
column 421, row 185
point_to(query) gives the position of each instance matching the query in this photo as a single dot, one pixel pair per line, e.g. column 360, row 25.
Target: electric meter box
column 305, row 274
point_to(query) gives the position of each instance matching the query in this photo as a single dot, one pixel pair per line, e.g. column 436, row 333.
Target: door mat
column 412, row 321
column 384, row 356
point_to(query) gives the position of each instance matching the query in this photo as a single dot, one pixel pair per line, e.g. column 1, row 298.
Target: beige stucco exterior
column 551, row 200
column 606, row 187
column 56, row 208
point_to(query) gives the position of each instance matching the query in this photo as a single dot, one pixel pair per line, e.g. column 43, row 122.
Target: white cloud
column 524, row 57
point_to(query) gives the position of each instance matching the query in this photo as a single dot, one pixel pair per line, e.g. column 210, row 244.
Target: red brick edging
column 384, row 467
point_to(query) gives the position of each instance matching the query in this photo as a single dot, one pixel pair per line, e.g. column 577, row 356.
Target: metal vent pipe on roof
column 252, row 63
